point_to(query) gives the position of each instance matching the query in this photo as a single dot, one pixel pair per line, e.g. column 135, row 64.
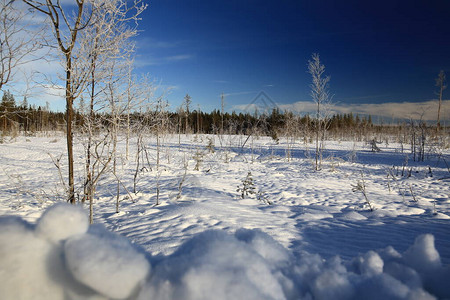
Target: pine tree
column 248, row 186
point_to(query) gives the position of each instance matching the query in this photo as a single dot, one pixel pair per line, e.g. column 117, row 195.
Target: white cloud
column 426, row 110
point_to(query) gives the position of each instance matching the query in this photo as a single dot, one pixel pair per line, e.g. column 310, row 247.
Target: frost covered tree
column 187, row 103
column 102, row 23
column 106, row 51
column 18, row 42
column 321, row 97
column 67, row 21
column 441, row 84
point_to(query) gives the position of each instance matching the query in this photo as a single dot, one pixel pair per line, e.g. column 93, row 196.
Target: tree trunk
column 69, row 134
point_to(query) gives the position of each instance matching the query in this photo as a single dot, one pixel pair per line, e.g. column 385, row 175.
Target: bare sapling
column 291, row 133
column 360, row 186
column 57, row 162
column 99, row 165
column 183, row 177
column 322, row 98
column 400, row 190
column 412, row 193
column 263, row 198
column 141, row 158
column 210, row 146
column 441, row 84
column 198, row 158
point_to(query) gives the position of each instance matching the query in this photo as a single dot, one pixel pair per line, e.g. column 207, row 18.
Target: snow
column 317, row 240
column 423, row 255
column 25, row 265
column 97, row 255
column 247, row 265
column 62, row 222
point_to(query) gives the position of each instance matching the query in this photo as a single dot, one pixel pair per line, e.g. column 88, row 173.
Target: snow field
column 328, row 244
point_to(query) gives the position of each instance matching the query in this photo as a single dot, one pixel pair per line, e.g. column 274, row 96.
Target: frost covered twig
column 412, row 193
column 360, row 186
column 183, row 179
column 57, row 163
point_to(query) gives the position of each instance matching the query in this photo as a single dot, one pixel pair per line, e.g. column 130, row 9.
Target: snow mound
column 97, row 255
column 215, row 264
column 423, row 256
column 73, row 261
column 24, row 271
column 61, row 222
column 97, row 262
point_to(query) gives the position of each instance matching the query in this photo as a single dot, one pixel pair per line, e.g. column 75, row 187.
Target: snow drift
column 61, row 257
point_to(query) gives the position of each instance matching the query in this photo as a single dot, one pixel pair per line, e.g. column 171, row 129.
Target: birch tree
column 67, row 22
column 321, row 97
column 107, row 50
column 87, row 33
column 18, row 43
column 441, row 84
column 187, row 103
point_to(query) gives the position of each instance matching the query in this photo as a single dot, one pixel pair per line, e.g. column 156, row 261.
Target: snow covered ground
column 317, row 239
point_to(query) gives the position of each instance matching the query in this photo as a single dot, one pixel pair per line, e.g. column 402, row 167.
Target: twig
column 412, row 193
column 56, row 162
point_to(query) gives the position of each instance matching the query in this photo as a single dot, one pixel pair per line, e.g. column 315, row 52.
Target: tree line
column 25, row 118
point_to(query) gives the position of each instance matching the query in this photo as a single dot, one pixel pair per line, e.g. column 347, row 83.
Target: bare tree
column 106, row 49
column 88, row 33
column 222, row 108
column 321, row 97
column 67, row 22
column 187, row 103
column 17, row 44
column 291, row 128
column 441, row 84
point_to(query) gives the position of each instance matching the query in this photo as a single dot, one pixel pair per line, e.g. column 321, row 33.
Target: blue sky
column 375, row 51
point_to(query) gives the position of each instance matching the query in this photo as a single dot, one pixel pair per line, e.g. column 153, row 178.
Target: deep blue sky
column 374, row 51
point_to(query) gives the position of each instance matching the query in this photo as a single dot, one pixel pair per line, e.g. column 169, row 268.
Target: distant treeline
column 23, row 117
column 26, row 118
column 268, row 124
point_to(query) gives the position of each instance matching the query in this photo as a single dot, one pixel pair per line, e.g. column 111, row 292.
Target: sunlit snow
column 316, row 240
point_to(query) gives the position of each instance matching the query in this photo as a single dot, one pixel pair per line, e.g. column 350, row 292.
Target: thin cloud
column 426, row 110
column 151, row 43
column 249, row 108
column 141, row 61
column 239, row 93
column 178, row 57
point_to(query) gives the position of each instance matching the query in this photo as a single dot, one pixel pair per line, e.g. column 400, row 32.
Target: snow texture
column 73, row 262
column 97, row 255
column 59, row 223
